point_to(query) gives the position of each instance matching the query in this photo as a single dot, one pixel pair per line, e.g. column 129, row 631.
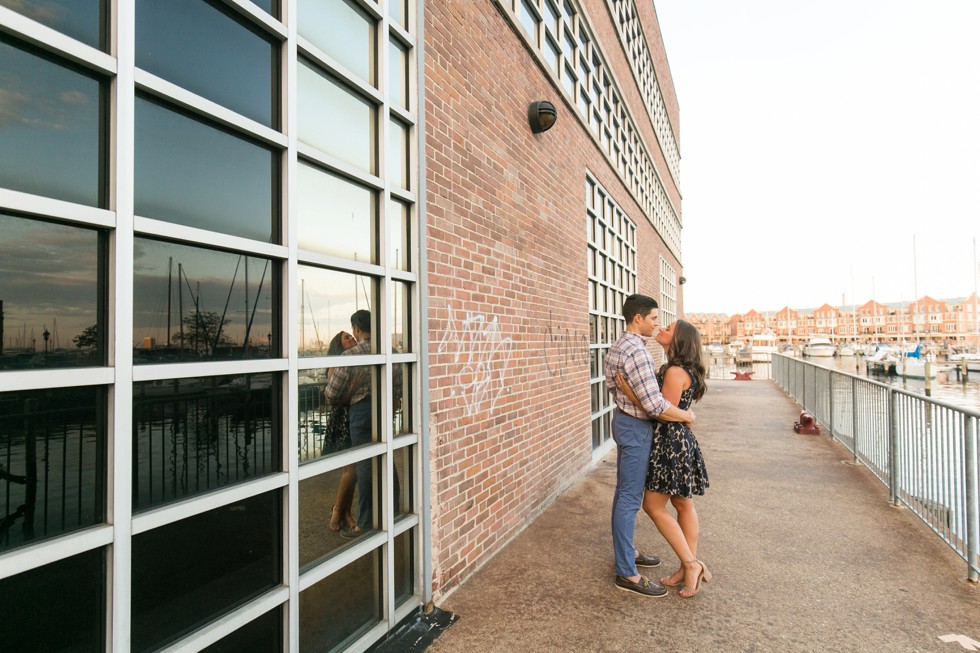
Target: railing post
column 854, row 419
column 972, row 507
column 803, row 402
column 893, row 447
column 830, row 376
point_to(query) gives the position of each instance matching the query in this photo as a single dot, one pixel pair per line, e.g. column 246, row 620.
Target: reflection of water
column 945, row 387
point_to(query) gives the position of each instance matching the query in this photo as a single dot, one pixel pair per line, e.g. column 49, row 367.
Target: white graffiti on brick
column 483, row 354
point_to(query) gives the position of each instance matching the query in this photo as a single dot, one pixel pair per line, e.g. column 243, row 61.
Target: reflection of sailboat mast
column 180, row 305
column 302, row 314
column 316, row 331
column 170, row 280
column 245, row 344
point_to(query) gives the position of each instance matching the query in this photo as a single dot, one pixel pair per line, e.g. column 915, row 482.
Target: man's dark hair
column 638, row 305
column 362, row 320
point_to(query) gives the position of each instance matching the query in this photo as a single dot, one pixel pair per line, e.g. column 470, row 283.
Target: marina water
column 947, row 386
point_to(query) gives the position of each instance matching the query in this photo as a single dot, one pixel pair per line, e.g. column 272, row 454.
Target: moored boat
column 819, row 346
column 762, row 346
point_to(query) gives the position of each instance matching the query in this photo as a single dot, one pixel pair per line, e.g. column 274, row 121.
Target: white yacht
column 762, row 346
column 819, row 346
column 971, row 359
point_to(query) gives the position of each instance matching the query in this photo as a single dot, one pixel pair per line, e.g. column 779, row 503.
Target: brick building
column 946, row 323
column 196, row 196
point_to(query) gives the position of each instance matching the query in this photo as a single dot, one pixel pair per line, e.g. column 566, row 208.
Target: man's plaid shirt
column 343, row 379
column 629, row 356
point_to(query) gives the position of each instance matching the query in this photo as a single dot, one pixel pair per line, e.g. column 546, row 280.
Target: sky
column 830, row 150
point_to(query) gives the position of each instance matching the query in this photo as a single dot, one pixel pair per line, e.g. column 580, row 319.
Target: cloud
column 45, row 13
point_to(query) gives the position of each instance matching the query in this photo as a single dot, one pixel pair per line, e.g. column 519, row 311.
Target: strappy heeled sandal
column 666, row 581
column 703, row 575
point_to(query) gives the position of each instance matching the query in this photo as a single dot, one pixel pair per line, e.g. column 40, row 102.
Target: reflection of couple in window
column 348, row 390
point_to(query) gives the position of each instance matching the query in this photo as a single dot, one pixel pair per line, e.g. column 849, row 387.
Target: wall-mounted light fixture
column 542, row 115
column 682, row 280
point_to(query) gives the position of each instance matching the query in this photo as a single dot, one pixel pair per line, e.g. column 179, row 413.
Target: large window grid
column 668, row 292
column 612, row 278
column 635, row 44
column 561, row 37
column 270, row 364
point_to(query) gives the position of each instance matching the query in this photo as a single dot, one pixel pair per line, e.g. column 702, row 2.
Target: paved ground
column 807, row 555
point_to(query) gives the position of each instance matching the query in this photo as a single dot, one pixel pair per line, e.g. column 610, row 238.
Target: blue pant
column 634, row 438
column 361, row 432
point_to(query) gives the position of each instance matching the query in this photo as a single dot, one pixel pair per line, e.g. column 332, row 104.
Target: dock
column 806, row 551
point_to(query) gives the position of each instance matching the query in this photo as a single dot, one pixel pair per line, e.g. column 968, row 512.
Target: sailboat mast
column 976, row 324
column 915, row 289
column 302, row 314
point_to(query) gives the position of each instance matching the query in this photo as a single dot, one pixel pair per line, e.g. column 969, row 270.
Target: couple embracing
column 658, row 459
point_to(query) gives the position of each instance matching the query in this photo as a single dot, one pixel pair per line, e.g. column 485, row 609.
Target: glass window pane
column 550, row 16
column 190, row 572
column 194, row 304
column 403, row 465
column 342, row 30
column 83, row 20
column 324, row 420
column 328, row 300
column 262, row 635
column 53, row 454
column 199, row 434
column 59, row 327
column 342, row 606
column 401, row 398
column 405, row 566
column 191, row 173
column 58, row 607
column 528, row 20
column 397, row 73
column 551, row 53
column 398, row 235
column 204, row 48
column 335, row 216
column 52, row 124
column 396, row 9
column 397, row 154
column 318, row 497
column 400, row 299
column 271, row 7
column 334, row 120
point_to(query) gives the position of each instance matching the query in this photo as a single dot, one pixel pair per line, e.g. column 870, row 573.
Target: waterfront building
column 941, row 323
column 714, row 327
column 195, row 197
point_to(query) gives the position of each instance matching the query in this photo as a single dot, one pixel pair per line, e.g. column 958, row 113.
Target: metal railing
column 923, row 450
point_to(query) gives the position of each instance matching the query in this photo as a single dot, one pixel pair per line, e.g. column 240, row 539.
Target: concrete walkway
column 806, row 552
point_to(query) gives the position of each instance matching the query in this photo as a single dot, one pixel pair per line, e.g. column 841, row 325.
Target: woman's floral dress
column 676, row 464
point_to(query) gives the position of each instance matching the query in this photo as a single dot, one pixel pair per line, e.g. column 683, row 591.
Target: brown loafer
column 643, row 587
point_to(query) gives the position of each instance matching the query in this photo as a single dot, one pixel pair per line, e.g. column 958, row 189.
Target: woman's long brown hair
column 685, row 351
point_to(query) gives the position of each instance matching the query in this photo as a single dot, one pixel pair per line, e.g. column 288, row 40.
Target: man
column 633, row 434
column 357, row 381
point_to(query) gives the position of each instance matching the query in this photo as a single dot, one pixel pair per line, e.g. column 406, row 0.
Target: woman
column 677, row 472
column 338, row 437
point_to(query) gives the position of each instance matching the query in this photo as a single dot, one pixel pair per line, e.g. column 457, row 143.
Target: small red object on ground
column 807, row 424
column 743, row 376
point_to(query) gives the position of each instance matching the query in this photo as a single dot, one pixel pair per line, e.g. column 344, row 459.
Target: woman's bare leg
column 655, row 505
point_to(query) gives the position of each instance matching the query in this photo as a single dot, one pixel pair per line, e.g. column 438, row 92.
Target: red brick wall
column 508, row 318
